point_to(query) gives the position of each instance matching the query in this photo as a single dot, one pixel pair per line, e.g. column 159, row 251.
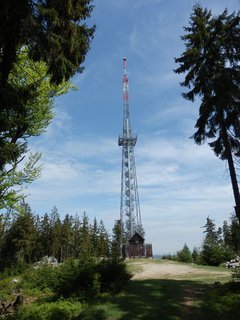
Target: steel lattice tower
column 130, row 214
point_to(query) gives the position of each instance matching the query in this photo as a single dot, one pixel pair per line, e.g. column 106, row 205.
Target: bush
column 44, row 277
column 113, row 275
column 64, row 310
column 87, row 279
column 92, row 313
column 79, row 278
column 83, row 279
column 221, row 303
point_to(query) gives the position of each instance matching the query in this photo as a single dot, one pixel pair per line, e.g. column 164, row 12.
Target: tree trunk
column 232, row 171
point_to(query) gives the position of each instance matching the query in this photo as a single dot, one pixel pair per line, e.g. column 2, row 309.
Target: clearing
column 161, row 269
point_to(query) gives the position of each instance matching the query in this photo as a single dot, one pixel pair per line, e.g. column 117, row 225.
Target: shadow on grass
column 160, row 299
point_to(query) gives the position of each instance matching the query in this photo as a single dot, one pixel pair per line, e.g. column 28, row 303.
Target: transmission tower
column 130, row 215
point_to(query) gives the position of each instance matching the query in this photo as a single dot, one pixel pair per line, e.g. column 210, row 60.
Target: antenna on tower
column 130, row 215
column 125, row 65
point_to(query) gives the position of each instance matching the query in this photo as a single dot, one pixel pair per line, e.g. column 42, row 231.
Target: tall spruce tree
column 19, row 240
column 76, row 229
column 213, row 253
column 211, row 61
column 67, row 242
column 44, row 236
column 86, row 245
column 235, row 235
column 104, row 241
column 55, row 233
column 55, row 32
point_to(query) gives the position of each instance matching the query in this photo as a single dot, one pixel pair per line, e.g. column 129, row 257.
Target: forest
column 28, row 238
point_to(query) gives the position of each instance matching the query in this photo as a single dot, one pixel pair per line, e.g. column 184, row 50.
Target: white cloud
column 180, row 184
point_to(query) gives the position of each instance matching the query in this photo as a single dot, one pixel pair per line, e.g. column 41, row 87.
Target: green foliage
column 221, row 303
column 185, row 254
column 211, row 63
column 236, row 277
column 54, row 37
column 16, row 178
column 42, row 278
column 212, row 255
column 78, row 278
column 169, row 256
column 25, row 238
column 196, row 255
column 92, row 313
column 82, row 279
column 114, row 275
column 55, row 31
column 235, row 234
column 213, row 251
column 19, row 122
column 19, row 240
column 86, row 279
column 117, row 240
column 62, row 309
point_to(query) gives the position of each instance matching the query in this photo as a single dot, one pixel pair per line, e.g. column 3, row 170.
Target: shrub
column 42, row 278
column 92, row 313
column 87, row 279
column 113, row 275
column 79, row 278
column 221, row 303
column 84, row 279
column 63, row 309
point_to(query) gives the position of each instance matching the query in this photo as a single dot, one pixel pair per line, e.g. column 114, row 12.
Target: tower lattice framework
column 130, row 214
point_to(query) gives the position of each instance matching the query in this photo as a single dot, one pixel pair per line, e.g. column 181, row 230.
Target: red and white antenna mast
column 125, row 81
column 130, row 209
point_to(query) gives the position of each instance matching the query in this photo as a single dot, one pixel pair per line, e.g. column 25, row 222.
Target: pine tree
column 116, row 240
column 235, row 235
column 185, row 254
column 227, row 236
column 55, row 233
column 104, row 241
column 211, row 61
column 76, row 236
column 94, row 236
column 86, row 249
column 54, row 31
column 212, row 251
column 44, row 236
column 67, row 238
column 19, row 240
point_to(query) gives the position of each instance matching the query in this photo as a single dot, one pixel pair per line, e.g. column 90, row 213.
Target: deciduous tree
column 17, row 125
column 56, row 37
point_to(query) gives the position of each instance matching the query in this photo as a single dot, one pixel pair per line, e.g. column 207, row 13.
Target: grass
column 184, row 297
column 189, row 296
column 150, row 299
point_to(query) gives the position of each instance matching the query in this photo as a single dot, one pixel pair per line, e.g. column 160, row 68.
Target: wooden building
column 136, row 248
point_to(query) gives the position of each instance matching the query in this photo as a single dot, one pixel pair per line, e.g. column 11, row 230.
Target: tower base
column 135, row 251
column 136, row 248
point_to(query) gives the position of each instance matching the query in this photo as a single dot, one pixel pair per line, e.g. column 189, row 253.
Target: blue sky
column 180, row 184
